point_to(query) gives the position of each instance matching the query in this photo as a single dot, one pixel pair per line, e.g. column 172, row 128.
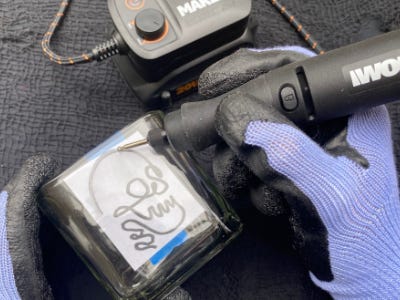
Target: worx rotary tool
column 336, row 84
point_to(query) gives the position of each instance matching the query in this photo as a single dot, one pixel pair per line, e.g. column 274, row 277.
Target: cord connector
column 106, row 50
column 103, row 51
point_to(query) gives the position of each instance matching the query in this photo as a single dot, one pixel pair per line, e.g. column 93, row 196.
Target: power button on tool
column 289, row 99
column 134, row 4
column 150, row 24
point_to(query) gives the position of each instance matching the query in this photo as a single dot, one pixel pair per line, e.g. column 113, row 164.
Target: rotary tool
column 335, row 84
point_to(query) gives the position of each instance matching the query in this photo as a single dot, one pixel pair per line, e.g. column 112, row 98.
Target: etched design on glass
column 139, row 198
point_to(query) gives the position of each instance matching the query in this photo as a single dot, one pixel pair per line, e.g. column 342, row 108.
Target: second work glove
column 341, row 196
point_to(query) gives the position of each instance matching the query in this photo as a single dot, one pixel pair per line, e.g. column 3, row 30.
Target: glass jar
column 143, row 219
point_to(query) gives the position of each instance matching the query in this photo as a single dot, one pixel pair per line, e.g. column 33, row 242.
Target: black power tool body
column 336, row 84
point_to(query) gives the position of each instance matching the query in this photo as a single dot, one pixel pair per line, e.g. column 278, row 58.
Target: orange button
column 134, row 4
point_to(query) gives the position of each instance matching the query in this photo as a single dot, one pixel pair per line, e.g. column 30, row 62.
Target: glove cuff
column 8, row 289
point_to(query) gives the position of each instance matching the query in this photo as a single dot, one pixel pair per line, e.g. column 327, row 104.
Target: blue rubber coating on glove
column 297, row 49
column 359, row 206
column 8, row 290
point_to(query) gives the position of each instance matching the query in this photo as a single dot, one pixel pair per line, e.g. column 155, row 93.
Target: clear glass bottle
column 142, row 219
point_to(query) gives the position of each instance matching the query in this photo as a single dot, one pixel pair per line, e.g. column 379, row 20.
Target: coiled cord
column 312, row 42
column 99, row 53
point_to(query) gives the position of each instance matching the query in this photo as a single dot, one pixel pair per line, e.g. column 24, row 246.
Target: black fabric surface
column 66, row 111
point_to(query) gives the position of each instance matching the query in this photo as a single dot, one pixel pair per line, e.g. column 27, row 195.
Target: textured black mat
column 66, row 111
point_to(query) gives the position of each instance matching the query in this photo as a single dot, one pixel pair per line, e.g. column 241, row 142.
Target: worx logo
column 375, row 72
column 194, row 5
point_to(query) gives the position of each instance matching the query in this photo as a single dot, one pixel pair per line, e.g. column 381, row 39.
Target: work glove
column 21, row 266
column 233, row 176
column 340, row 190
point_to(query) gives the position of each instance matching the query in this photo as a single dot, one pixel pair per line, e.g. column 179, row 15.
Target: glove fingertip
column 215, row 83
column 35, row 171
column 43, row 163
column 208, row 84
column 226, row 74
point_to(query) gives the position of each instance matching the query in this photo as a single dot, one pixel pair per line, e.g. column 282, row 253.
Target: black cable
column 99, row 53
column 298, row 26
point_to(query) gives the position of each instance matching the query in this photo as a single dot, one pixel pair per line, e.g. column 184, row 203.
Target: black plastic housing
column 336, row 84
column 197, row 33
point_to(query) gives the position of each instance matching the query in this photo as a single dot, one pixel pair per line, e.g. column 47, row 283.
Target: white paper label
column 137, row 200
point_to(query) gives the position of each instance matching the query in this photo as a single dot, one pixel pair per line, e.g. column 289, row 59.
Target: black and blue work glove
column 21, row 267
column 232, row 175
column 340, row 192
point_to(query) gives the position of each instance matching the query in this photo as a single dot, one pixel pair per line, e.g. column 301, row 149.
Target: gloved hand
column 21, row 267
column 341, row 197
column 233, row 176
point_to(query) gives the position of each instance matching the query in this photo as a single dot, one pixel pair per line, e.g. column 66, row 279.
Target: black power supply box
column 168, row 43
column 164, row 45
